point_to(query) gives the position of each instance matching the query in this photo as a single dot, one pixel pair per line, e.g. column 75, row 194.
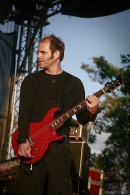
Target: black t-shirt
column 40, row 92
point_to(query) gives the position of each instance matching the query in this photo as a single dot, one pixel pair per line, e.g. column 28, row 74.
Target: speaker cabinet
column 80, row 166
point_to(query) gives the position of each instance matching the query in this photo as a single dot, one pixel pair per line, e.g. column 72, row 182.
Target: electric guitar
column 43, row 133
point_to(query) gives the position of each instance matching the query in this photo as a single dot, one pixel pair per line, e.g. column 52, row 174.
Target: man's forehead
column 44, row 44
column 45, row 41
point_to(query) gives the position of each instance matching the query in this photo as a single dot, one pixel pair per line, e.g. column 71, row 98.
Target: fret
column 99, row 93
column 60, row 120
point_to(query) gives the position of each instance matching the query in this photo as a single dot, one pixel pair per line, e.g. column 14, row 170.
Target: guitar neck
column 109, row 87
column 67, row 115
column 99, row 93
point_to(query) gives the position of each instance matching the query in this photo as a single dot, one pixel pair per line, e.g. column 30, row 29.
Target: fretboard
column 67, row 115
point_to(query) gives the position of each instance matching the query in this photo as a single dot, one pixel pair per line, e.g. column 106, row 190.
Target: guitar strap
column 64, row 90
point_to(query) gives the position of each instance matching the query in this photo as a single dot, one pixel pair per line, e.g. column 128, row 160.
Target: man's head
column 56, row 44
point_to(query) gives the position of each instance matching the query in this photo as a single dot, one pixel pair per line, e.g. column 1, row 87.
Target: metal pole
column 8, row 156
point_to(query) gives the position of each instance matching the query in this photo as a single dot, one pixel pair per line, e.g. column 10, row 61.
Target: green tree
column 114, row 118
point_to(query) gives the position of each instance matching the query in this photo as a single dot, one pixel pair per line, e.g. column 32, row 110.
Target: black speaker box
column 79, row 166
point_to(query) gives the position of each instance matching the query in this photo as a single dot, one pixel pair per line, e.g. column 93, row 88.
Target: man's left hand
column 92, row 103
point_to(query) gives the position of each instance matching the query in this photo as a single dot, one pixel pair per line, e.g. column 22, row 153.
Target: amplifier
column 79, row 132
column 80, row 166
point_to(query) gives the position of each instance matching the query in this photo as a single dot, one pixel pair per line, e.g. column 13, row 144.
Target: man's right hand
column 25, row 149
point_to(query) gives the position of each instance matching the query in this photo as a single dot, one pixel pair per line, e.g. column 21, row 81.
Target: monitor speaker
column 80, row 166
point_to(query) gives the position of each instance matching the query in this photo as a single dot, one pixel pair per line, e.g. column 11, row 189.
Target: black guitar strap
column 64, row 90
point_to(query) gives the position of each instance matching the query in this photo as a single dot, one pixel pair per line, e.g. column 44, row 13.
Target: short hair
column 55, row 44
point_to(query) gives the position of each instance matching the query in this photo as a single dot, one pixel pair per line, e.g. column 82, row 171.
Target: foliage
column 103, row 70
column 114, row 118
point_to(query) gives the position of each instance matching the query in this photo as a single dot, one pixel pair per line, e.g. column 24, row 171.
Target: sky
column 84, row 38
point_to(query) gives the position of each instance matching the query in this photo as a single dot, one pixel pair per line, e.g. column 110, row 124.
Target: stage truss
column 30, row 31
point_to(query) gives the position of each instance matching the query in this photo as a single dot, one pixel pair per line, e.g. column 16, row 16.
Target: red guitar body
column 41, row 135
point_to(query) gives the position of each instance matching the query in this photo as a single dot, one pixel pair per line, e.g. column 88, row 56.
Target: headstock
column 111, row 86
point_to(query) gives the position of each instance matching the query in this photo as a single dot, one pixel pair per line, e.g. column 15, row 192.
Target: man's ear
column 57, row 54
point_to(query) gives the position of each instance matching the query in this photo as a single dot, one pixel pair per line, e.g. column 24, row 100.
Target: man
column 40, row 92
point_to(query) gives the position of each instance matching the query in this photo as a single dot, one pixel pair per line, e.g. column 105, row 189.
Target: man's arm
column 26, row 99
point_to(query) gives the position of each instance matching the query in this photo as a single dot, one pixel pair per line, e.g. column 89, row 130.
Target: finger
column 27, row 152
column 89, row 99
column 24, row 151
column 94, row 97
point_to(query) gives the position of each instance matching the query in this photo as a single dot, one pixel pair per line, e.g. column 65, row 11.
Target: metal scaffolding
column 29, row 35
column 30, row 32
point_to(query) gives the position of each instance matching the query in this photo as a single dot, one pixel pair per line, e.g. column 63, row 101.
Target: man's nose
column 38, row 55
